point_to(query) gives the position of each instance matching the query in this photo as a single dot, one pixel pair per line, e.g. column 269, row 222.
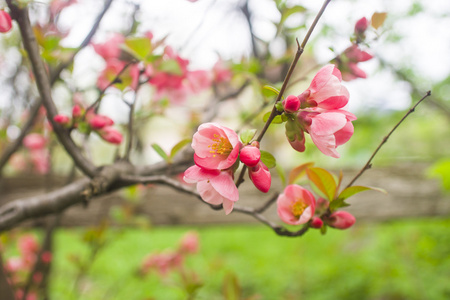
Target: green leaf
column 180, row 145
column 170, row 66
column 323, row 180
column 140, row 47
column 247, row 135
column 268, row 159
column 287, row 13
column 298, row 172
column 272, row 89
column 441, row 169
column 160, row 151
column 338, row 203
column 231, row 288
column 352, row 190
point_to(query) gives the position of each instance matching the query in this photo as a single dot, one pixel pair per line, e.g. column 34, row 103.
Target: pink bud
column 250, row 156
column 316, row 222
column 361, row 25
column 100, row 121
column 62, row 119
column 110, row 135
column 34, row 141
column 291, row 104
column 189, row 243
column 76, row 111
column 5, row 21
column 341, row 220
column 46, row 257
column 260, row 176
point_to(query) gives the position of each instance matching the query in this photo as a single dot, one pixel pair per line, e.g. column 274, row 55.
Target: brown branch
column 368, row 165
column 44, row 87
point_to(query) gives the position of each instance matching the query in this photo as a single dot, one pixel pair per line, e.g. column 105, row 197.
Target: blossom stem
column 368, row 165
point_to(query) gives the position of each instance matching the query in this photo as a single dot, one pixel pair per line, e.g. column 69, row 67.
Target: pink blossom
column 14, row 264
column 112, row 69
column 328, row 129
column 76, row 111
column 161, row 262
column 214, row 186
column 250, row 156
column 40, row 159
column 326, row 90
column 221, row 72
column 341, row 220
column 27, row 244
column 111, row 135
column 5, row 21
column 111, row 48
column 361, row 25
column 260, row 176
column 98, row 121
column 199, row 80
column 291, row 104
column 46, row 257
column 316, row 222
column 189, row 243
column 215, row 146
column 56, row 6
column 355, row 54
column 296, row 205
column 34, row 141
column 62, row 119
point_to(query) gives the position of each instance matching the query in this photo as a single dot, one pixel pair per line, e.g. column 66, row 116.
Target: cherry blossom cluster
column 217, row 149
column 296, row 206
column 318, row 112
column 165, row 262
column 18, row 267
column 348, row 61
column 88, row 121
column 168, row 72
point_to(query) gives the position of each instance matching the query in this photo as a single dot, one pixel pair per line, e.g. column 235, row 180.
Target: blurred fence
column 410, row 194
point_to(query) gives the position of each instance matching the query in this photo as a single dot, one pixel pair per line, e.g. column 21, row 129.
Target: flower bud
column 260, row 176
column 361, row 26
column 111, row 135
column 341, row 220
column 5, row 21
column 189, row 243
column 62, row 119
column 100, row 121
column 76, row 111
column 316, row 222
column 250, row 156
column 291, row 104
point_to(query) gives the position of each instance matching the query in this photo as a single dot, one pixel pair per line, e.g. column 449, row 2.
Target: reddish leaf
column 298, row 172
column 323, row 180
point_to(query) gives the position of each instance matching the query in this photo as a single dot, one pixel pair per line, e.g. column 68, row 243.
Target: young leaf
column 298, row 172
column 268, row 159
column 277, row 120
column 271, row 88
column 352, row 190
column 323, row 180
column 180, row 145
column 378, row 19
column 160, row 151
column 247, row 135
column 140, row 47
column 171, row 67
column 338, row 203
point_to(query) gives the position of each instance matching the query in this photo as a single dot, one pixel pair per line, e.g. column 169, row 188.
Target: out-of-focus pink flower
column 296, row 205
column 215, row 146
column 37, row 277
column 40, row 159
column 62, row 119
column 76, row 111
column 111, row 48
column 14, row 264
column 34, row 141
column 199, row 80
column 349, row 60
column 113, row 68
column 111, row 135
column 99, row 121
column 361, row 26
column 5, row 21
column 316, row 222
column 189, row 243
column 326, row 90
column 221, row 72
column 355, row 54
column 291, row 104
column 18, row 162
column 46, row 257
column 56, row 6
column 260, row 176
column 328, row 129
column 341, row 220
column 161, row 262
column 28, row 244
column 214, row 186
column 250, row 156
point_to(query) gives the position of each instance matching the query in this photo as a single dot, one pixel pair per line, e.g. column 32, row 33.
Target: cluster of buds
column 165, row 262
column 317, row 111
column 298, row 206
column 17, row 267
column 217, row 149
column 88, row 121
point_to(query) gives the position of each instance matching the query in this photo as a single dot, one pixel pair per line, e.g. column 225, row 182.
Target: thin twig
column 368, row 165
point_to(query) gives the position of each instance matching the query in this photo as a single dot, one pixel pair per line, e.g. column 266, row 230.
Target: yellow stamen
column 298, row 208
column 220, row 146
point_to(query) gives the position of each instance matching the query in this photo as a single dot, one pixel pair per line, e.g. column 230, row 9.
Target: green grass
column 399, row 260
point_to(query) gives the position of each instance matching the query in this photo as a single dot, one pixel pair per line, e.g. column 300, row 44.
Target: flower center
column 298, row 208
column 221, row 146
